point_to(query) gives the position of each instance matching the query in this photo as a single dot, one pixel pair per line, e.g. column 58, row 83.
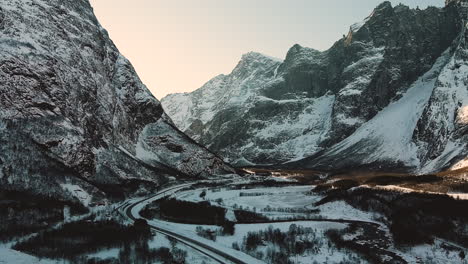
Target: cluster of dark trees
column 140, row 253
column 461, row 187
column 340, row 184
column 413, row 218
column 417, row 218
column 22, row 213
column 346, row 184
column 198, row 213
column 263, row 184
column 393, row 180
column 248, row 217
column 78, row 238
column 191, row 212
column 206, row 233
column 73, row 241
column 252, row 194
column 296, row 241
column 368, row 241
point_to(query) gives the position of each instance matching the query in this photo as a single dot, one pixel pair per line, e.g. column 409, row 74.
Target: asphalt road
column 214, row 253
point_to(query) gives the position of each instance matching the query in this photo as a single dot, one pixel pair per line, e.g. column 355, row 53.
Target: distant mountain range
column 75, row 117
column 392, row 94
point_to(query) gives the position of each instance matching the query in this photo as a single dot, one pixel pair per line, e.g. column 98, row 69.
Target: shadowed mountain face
column 73, row 110
column 392, row 93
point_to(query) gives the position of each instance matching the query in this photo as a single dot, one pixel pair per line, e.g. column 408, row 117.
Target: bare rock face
column 378, row 97
column 73, row 110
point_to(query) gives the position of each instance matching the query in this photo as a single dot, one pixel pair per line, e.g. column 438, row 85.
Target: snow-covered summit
column 378, row 97
column 191, row 111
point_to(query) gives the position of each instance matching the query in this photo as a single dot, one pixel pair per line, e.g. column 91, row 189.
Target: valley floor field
column 281, row 220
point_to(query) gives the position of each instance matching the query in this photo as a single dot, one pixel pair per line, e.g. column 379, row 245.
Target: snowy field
column 296, row 197
column 193, row 256
column 433, row 254
column 267, row 201
column 159, row 241
column 292, row 198
column 10, row 256
column 325, row 255
column 281, row 197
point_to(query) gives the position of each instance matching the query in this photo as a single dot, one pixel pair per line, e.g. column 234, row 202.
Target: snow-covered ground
column 193, row 256
column 10, row 256
column 433, row 254
column 276, row 197
column 105, row 254
column 461, row 196
column 188, row 231
column 301, row 197
column 272, row 200
column 78, row 192
column 379, row 136
column 295, row 196
column 325, row 255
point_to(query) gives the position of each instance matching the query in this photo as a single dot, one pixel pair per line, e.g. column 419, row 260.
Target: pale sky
column 178, row 45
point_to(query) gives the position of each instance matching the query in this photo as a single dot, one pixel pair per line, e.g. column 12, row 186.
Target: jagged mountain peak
column 299, row 49
column 322, row 104
column 298, row 54
column 252, row 61
column 193, row 110
column 253, row 55
column 385, row 5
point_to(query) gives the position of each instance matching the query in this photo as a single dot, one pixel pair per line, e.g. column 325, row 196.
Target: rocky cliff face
column 74, row 112
column 377, row 97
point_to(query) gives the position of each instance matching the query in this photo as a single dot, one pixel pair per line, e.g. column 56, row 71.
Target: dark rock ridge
column 74, row 112
column 389, row 94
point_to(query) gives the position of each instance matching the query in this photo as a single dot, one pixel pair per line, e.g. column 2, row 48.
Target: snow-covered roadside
column 295, row 196
column 10, row 256
column 193, row 256
column 188, row 232
column 105, row 254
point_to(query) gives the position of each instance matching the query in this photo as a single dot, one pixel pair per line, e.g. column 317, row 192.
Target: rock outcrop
column 73, row 110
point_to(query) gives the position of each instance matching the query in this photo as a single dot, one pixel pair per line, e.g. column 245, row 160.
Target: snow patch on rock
column 78, row 192
column 388, row 136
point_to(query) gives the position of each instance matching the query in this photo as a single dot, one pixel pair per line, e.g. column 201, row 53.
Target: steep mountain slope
column 74, row 112
column 380, row 96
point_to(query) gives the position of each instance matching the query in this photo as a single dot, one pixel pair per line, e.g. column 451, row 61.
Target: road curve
column 210, row 251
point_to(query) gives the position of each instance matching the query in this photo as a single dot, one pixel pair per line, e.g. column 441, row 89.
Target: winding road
column 216, row 252
column 219, row 253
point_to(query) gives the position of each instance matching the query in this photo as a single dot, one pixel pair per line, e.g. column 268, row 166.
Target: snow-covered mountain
column 390, row 94
column 73, row 112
